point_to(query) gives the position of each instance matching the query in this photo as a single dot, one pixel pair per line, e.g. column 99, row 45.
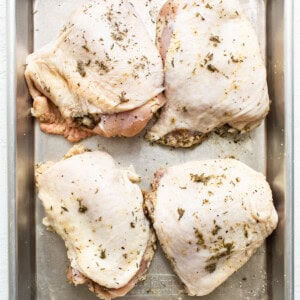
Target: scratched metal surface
column 250, row 282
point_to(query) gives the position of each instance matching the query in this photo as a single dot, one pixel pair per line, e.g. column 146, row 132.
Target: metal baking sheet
column 38, row 258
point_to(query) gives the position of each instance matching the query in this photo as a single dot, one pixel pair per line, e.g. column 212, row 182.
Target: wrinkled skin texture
column 148, row 11
column 97, row 210
column 103, row 75
column 210, row 217
column 214, row 71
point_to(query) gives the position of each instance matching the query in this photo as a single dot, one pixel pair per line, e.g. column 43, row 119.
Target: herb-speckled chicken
column 97, row 210
column 214, row 71
column 103, row 75
column 210, row 217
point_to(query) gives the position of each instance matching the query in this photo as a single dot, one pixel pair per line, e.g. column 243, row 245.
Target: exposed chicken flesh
column 210, row 217
column 103, row 63
column 214, row 71
column 97, row 209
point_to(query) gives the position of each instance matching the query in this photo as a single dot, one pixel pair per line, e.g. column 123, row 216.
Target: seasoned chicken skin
column 148, row 11
column 214, row 71
column 103, row 75
column 97, row 209
column 210, row 217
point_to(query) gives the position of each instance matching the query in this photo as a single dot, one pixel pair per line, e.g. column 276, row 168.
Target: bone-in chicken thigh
column 214, row 71
column 97, row 209
column 103, row 75
column 210, row 217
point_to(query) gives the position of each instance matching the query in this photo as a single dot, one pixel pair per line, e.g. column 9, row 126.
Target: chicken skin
column 103, row 75
column 210, row 217
column 97, row 209
column 214, row 72
column 148, row 11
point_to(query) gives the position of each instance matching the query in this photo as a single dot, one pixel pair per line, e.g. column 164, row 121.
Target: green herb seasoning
column 102, row 66
column 215, row 39
column 85, row 48
column 212, row 68
column 211, row 268
column 64, row 208
column 103, row 254
column 80, row 68
column 180, row 213
column 200, row 178
column 132, row 224
column 199, row 237
column 216, row 230
column 82, row 208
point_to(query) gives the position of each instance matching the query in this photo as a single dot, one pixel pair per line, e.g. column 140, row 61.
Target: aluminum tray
column 37, row 257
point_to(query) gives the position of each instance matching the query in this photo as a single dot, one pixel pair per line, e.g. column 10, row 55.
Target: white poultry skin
column 97, row 209
column 214, row 71
column 210, row 217
column 103, row 75
column 148, row 11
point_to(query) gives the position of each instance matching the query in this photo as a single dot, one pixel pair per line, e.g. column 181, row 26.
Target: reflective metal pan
column 38, row 259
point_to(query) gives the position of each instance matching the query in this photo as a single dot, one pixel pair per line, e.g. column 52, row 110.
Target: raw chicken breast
column 103, row 75
column 210, row 217
column 214, row 71
column 97, row 209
